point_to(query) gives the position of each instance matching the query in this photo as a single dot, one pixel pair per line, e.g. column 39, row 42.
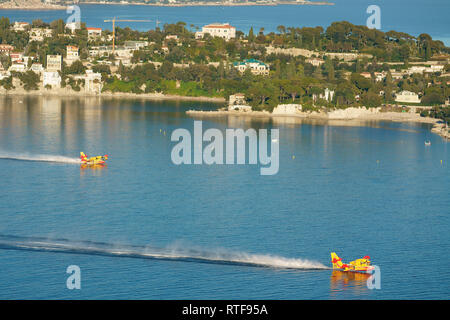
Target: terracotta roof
column 223, row 26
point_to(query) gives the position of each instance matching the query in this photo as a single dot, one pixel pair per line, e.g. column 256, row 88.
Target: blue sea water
column 410, row 16
column 361, row 189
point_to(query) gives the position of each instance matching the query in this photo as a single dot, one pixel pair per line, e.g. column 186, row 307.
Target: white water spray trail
column 37, row 157
column 225, row 255
column 179, row 252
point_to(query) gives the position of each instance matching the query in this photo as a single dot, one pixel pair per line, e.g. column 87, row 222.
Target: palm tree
column 281, row 29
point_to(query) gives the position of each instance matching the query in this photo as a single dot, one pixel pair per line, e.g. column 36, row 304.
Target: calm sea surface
column 411, row 16
column 144, row 228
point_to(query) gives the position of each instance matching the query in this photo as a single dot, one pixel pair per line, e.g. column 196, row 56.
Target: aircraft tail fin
column 83, row 156
column 336, row 261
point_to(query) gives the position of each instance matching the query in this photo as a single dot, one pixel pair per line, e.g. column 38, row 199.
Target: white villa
column 224, row 30
column 38, row 34
column 54, row 62
column 407, row 97
column 18, row 67
column 316, row 62
column 94, row 33
column 237, row 102
column 257, row 67
column 20, row 26
column 37, row 68
column 92, row 81
column 135, row 45
column 52, row 78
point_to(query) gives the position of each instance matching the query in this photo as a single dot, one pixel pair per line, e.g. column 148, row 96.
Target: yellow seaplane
column 359, row 265
column 90, row 161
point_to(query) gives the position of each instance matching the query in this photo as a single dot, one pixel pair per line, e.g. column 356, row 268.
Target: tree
column 76, row 67
column 58, row 27
column 30, row 80
column 293, row 88
column 329, row 69
column 433, row 96
column 251, row 35
column 281, row 29
column 360, row 82
column 371, row 100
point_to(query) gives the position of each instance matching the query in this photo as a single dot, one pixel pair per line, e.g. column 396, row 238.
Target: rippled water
column 142, row 227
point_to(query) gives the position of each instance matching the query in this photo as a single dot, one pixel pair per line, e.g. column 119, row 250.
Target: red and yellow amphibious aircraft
column 359, row 265
column 92, row 160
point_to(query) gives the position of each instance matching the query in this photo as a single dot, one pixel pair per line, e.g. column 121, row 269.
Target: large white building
column 407, row 97
column 316, row 62
column 20, row 26
column 224, row 30
column 136, row 45
column 52, row 78
column 93, row 82
column 256, row 67
column 54, row 62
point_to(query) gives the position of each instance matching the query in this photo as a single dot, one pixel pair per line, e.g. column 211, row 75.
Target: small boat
column 428, row 143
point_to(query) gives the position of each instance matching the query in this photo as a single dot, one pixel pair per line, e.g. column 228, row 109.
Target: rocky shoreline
column 216, row 4
column 343, row 117
column 30, row 5
column 347, row 117
column 66, row 92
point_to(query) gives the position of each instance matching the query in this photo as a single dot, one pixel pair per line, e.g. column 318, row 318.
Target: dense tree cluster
column 177, row 63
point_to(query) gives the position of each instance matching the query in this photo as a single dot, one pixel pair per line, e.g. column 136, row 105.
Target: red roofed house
column 94, row 33
column 6, row 48
column 218, row 30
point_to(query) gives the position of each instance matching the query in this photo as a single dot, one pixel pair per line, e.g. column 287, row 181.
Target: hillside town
column 306, row 68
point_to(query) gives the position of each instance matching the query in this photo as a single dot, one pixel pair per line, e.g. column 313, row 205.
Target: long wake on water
column 176, row 252
column 37, row 157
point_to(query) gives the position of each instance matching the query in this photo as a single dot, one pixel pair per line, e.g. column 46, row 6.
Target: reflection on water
column 340, row 179
column 348, row 281
column 94, row 170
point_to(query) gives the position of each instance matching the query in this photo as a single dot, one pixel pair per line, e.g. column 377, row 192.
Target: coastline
column 346, row 117
column 336, row 117
column 35, row 8
column 43, row 7
column 71, row 93
column 31, row 5
column 216, row 4
column 384, row 116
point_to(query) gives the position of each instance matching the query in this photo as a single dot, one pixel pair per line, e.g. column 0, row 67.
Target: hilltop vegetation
column 175, row 62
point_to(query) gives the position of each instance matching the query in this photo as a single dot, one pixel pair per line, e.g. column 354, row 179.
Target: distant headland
column 61, row 5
